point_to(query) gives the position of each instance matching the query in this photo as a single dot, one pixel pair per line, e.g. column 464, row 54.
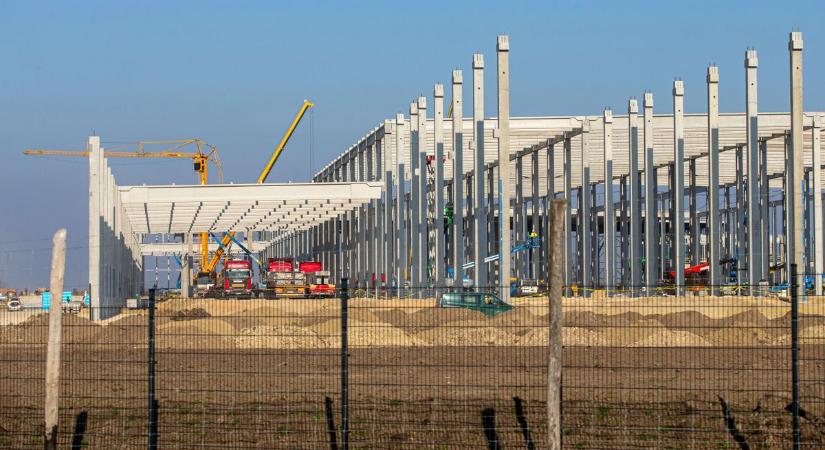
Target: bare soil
column 254, row 374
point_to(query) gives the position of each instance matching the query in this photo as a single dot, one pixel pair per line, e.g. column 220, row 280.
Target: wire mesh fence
column 424, row 368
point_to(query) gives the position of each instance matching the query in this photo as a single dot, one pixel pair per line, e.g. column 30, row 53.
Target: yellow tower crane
column 204, row 154
column 226, row 242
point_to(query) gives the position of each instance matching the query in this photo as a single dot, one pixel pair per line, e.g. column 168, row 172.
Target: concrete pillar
column 421, row 203
column 714, row 253
column 390, row 236
column 550, row 196
column 651, row 191
column 569, row 256
column 584, row 228
column 438, row 139
column 609, row 212
column 678, row 196
column 754, row 266
column 794, row 165
column 480, row 222
column 415, row 211
column 624, row 200
column 492, row 223
column 635, row 238
column 817, row 202
column 518, row 217
column 741, row 251
column 535, row 264
column 503, row 53
column 95, row 250
column 458, row 180
column 400, row 207
column 764, row 189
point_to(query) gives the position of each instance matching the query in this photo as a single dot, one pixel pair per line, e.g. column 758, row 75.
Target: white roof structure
column 253, row 207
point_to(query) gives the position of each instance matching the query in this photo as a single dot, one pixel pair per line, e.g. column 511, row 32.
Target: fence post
column 555, row 264
column 55, row 338
column 794, row 288
column 152, row 403
column 344, row 366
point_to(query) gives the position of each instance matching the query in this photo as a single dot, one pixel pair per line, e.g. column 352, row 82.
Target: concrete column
column 754, row 266
column 400, row 208
column 503, row 53
column 651, row 191
column 518, row 217
column 794, row 165
column 95, row 157
column 817, row 202
column 584, row 229
column 624, row 199
column 480, row 222
column 421, row 197
column 569, row 256
column 438, row 139
column 550, row 196
column 714, row 253
column 678, row 207
column 764, row 189
column 741, row 251
column 534, row 213
column 458, row 180
column 609, row 212
column 415, row 211
column 635, row 238
column 390, row 236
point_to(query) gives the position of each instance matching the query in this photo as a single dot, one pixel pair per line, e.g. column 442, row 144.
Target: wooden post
column 55, row 334
column 556, row 271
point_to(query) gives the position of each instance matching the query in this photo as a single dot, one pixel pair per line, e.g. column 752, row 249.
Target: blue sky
column 234, row 73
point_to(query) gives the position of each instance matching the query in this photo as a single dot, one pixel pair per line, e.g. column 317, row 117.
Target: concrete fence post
column 55, row 338
column 555, row 266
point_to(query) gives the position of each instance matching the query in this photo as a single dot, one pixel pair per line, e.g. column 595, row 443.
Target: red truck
column 284, row 279
column 237, row 279
column 317, row 280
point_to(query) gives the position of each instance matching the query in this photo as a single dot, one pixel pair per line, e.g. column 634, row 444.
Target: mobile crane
column 228, row 237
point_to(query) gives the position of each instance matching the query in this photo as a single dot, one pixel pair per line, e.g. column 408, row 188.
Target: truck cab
column 237, row 279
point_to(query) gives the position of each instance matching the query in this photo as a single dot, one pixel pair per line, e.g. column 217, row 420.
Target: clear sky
column 234, row 74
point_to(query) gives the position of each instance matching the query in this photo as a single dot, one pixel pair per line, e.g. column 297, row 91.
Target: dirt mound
column 280, row 336
column 189, row 314
column 670, row 338
column 576, row 337
column 451, row 336
column 812, row 335
column 380, row 334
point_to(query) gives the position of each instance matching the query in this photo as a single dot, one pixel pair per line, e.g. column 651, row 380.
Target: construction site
column 406, row 295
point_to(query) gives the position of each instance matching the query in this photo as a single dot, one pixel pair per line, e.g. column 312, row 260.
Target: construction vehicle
column 317, row 280
column 237, row 279
column 204, row 154
column 228, row 237
column 484, row 302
